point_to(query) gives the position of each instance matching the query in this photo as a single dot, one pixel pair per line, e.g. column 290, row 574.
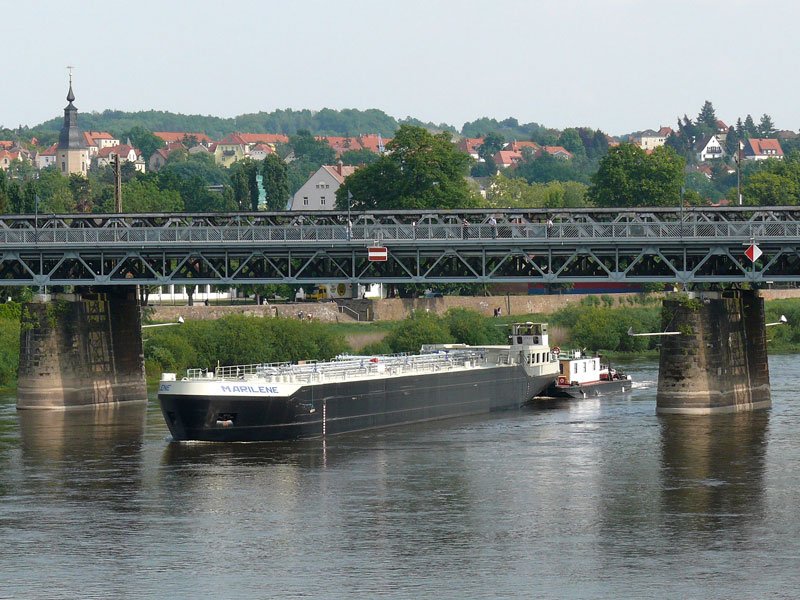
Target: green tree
column 81, row 192
column 751, row 131
column 471, row 327
column 359, row 157
column 628, row 176
column 142, row 196
column 492, row 143
column 276, row 182
column 707, row 117
column 421, row 170
column 571, row 140
column 766, row 128
column 5, row 201
column 144, row 140
column 420, row 328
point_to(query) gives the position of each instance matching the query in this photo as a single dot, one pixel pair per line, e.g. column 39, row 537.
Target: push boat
column 262, row 402
column 581, row 376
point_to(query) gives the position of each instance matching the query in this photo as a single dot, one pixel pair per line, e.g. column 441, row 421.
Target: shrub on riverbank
column 238, row 340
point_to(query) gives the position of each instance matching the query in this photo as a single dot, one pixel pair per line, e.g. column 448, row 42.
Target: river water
column 581, row 499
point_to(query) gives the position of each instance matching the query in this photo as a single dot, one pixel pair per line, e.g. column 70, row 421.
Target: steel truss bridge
column 664, row 245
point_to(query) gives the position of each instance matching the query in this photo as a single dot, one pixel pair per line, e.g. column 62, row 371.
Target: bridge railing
column 387, row 233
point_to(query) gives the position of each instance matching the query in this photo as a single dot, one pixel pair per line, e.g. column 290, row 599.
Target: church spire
column 70, row 95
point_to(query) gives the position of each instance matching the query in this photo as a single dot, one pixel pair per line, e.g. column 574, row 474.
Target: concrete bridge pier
column 718, row 363
column 82, row 349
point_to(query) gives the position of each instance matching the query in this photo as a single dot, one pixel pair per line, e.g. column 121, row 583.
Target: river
column 582, row 499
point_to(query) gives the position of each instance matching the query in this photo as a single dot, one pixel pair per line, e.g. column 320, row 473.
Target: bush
column 471, row 327
column 421, row 328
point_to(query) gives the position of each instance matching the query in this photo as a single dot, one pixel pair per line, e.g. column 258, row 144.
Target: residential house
column 125, row 152
column 710, row 148
column 260, row 151
column 15, row 153
column 722, row 131
column 47, row 157
column 762, row 149
column 269, row 139
column 6, row 144
column 650, row 140
column 470, row 146
column 97, row 140
column 558, row 152
column 189, row 139
column 516, row 146
column 319, row 192
column 506, row 158
column 159, row 158
column 373, row 142
column 339, row 144
column 230, row 149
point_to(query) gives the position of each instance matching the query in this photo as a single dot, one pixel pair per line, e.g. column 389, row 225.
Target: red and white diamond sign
column 753, row 252
column 377, row 253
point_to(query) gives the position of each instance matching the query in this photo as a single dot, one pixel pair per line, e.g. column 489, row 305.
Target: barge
column 263, row 402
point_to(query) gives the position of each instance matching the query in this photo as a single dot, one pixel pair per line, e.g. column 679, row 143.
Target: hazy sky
column 617, row 65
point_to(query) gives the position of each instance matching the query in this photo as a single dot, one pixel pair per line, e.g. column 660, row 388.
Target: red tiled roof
column 665, row 131
column 339, row 172
column 516, row 146
column 121, row 150
column 177, row 136
column 51, row 150
column 554, row 150
column 6, row 144
column 470, row 145
column 373, row 141
column 263, row 148
column 233, row 139
column 507, row 157
column 763, row 147
column 264, row 138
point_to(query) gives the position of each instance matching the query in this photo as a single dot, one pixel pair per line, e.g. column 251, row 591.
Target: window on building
column 322, row 200
column 305, row 200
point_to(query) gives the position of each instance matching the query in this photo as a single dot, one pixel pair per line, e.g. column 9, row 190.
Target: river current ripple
column 582, row 499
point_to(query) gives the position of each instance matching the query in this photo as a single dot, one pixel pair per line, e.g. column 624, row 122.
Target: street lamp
column 739, row 172
column 349, row 221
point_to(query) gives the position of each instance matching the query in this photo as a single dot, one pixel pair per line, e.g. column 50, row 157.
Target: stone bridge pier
column 81, row 349
column 718, row 363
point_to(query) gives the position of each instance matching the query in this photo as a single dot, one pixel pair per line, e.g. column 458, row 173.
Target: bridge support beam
column 82, row 349
column 719, row 362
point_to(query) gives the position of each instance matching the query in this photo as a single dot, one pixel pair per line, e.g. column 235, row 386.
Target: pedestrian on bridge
column 493, row 225
column 465, row 229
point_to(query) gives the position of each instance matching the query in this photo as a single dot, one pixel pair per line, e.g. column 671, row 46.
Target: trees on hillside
column 628, row 176
column 421, row 170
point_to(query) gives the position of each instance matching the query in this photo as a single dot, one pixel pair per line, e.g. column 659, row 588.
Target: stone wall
column 82, row 349
column 389, row 309
column 719, row 362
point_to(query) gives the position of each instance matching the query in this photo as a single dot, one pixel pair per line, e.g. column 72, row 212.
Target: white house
column 125, row 152
column 319, row 192
column 47, row 157
column 709, row 148
column 650, row 140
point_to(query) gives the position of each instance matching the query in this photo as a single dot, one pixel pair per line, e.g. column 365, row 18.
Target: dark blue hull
column 342, row 407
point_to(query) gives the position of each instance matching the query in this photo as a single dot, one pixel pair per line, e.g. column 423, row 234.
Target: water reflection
column 712, row 470
column 49, row 436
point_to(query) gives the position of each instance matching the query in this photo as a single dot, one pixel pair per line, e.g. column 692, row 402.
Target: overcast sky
column 617, row 65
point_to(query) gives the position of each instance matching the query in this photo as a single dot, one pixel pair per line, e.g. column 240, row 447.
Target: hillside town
column 713, row 154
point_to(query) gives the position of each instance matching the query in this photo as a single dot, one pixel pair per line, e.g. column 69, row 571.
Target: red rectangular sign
column 378, row 253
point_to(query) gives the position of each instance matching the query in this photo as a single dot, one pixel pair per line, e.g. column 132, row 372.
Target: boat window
column 560, row 369
column 584, row 367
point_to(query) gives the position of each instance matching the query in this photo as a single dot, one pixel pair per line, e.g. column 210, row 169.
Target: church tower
column 72, row 153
